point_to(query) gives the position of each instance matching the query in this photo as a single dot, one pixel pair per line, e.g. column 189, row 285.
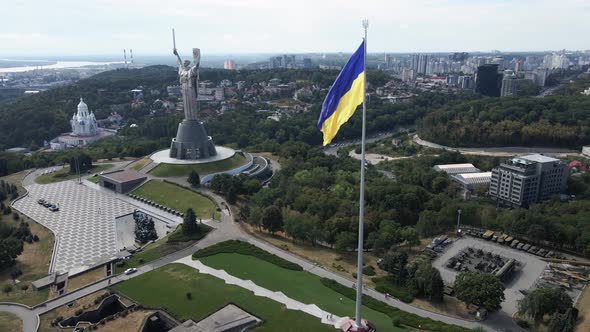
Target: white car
column 130, row 270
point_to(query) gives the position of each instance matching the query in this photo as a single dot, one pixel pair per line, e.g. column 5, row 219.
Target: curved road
column 29, row 318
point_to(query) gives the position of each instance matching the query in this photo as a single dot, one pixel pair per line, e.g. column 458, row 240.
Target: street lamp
column 458, row 220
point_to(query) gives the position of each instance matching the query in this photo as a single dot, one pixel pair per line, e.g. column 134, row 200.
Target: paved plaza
column 84, row 225
column 531, row 268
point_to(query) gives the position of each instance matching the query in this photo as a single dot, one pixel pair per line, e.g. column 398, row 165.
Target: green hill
column 29, row 120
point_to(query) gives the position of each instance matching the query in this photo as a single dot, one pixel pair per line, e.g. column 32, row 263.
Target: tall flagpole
column 359, row 272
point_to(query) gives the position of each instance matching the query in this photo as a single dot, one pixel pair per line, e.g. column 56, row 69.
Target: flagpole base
column 351, row 326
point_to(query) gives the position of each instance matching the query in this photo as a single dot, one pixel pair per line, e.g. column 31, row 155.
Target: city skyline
column 106, row 27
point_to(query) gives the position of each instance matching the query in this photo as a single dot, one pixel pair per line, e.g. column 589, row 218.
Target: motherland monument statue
column 191, row 142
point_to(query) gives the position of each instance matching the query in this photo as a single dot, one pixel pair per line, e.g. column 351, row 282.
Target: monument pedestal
column 192, row 142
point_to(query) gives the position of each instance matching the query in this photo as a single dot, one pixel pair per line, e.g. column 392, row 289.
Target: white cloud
column 233, row 26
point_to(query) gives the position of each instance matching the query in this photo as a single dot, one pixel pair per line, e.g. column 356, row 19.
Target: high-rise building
column 408, row 75
column 307, row 63
column 275, row 62
column 488, row 81
column 517, row 65
column 520, row 181
column 466, row 82
column 509, row 84
column 422, row 64
column 387, row 61
column 452, row 79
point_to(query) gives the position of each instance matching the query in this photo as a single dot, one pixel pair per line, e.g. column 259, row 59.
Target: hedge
column 386, row 285
column 405, row 318
column 244, row 248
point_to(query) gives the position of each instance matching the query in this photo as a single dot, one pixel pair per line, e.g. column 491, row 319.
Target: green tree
column 255, row 217
column 272, row 219
column 544, row 300
column 565, row 322
column 479, row 288
column 194, row 179
column 10, row 248
column 189, row 223
column 346, row 241
column 7, row 288
column 395, row 264
column 426, row 281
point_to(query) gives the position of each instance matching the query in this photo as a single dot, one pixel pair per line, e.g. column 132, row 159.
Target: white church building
column 84, row 130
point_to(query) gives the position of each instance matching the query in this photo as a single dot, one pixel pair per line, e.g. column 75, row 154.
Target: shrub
column 388, row 285
column 369, row 270
column 244, row 248
column 396, row 322
column 35, row 238
column 189, row 295
column 523, row 323
column 120, row 263
column 141, row 261
column 78, row 312
column 354, row 275
column 58, row 319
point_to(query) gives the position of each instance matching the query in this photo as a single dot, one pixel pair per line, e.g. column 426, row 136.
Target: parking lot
column 84, row 224
column 530, row 268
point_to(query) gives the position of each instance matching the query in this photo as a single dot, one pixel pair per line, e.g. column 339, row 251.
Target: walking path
column 310, row 309
column 502, row 151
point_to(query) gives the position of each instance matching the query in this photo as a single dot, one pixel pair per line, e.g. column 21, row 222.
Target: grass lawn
column 10, row 322
column 299, row 285
column 168, row 286
column 138, row 164
column 64, row 174
column 33, row 262
column 86, row 278
column 170, row 170
column 177, row 198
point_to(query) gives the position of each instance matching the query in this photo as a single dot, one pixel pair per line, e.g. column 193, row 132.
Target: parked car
column 54, row 208
column 130, row 270
column 41, row 201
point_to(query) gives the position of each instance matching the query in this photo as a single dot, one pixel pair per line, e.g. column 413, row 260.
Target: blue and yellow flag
column 344, row 96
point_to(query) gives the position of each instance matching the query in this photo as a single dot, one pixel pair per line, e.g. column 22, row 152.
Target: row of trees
column 550, row 121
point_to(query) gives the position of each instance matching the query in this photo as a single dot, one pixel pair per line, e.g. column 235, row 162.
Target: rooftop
column 539, row 158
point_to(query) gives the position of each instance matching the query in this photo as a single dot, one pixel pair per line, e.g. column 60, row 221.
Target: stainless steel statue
column 191, row 142
column 189, row 82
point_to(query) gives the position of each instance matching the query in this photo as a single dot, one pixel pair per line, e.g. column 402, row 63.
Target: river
column 57, row 65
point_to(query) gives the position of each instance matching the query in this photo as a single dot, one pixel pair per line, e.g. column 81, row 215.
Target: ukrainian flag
column 344, row 96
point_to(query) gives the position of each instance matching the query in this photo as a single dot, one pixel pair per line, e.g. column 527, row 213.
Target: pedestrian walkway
column 310, row 309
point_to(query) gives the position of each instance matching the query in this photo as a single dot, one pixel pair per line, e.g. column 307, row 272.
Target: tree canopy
column 479, row 288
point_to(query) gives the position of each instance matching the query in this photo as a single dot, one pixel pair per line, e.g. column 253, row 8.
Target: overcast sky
column 89, row 27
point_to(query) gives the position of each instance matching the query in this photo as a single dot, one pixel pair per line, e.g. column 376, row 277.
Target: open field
column 64, row 174
column 299, row 285
column 168, row 286
column 177, row 198
column 171, row 170
column 10, row 322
